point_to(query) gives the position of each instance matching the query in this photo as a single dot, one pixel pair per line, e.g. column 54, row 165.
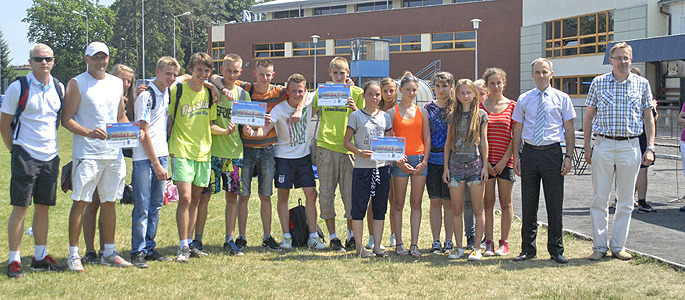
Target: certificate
column 387, row 148
column 333, row 94
column 248, row 113
column 122, row 135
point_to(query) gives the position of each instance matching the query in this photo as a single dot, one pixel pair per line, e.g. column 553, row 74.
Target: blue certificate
column 333, row 94
column 387, row 148
column 122, row 135
column 248, row 113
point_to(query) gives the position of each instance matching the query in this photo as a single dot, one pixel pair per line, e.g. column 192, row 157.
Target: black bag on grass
column 299, row 227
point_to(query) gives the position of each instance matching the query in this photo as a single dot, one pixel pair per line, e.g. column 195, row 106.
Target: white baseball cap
column 95, row 47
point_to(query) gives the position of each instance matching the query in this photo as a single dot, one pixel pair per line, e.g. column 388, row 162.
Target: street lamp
column 476, row 24
column 86, row 16
column 181, row 15
column 124, row 49
column 143, row 40
column 315, row 39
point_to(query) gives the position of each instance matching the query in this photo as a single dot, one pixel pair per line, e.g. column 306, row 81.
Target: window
column 380, row 5
column 404, row 43
column 269, row 50
column 330, row 10
column 342, row 47
column 574, row 86
column 307, row 49
column 218, row 53
column 581, row 35
column 454, row 41
column 417, row 3
column 288, row 14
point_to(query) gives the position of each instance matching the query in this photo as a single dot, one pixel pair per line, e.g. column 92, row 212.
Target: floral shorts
column 225, row 170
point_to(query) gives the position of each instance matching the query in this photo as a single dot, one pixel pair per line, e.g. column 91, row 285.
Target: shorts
column 436, row 187
column 507, row 174
column 32, row 178
column 468, row 172
column 107, row 175
column 261, row 159
column 643, row 147
column 373, row 183
column 188, row 170
column 226, row 170
column 335, row 169
column 412, row 160
column 296, row 172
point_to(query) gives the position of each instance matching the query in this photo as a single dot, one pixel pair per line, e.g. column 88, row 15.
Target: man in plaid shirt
column 618, row 104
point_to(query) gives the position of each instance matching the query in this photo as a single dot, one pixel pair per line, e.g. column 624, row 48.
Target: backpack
column 23, row 98
column 179, row 92
column 299, row 228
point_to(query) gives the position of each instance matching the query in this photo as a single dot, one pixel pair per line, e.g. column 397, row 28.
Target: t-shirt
column 438, row 133
column 156, row 118
column 274, row 95
column 37, row 131
column 365, row 128
column 228, row 146
column 293, row 138
column 334, row 121
column 465, row 152
column 500, row 133
column 100, row 99
column 682, row 135
column 191, row 137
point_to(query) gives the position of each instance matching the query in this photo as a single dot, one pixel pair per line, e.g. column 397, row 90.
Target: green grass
column 308, row 274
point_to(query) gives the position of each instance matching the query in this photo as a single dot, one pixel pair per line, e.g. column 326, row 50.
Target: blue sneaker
column 232, row 249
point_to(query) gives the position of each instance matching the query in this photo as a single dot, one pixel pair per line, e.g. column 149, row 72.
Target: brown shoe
column 597, row 255
column 622, row 255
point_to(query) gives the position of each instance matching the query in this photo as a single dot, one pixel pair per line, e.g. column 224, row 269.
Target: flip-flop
column 400, row 250
column 415, row 251
column 381, row 254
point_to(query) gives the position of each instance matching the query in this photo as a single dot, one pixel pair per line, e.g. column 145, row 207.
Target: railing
column 428, row 71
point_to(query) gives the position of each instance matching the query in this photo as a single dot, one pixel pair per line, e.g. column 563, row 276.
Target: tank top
column 411, row 130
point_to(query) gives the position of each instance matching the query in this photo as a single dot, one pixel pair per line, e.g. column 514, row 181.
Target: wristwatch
column 567, row 156
column 651, row 148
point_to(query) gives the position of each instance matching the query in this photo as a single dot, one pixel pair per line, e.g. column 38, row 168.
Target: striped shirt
column 500, row 133
column 274, row 95
column 619, row 104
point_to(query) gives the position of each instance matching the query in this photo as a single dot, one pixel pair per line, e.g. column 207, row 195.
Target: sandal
column 415, row 251
column 381, row 254
column 400, row 250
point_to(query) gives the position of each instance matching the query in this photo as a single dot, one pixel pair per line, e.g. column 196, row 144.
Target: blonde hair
column 40, row 46
column 480, row 83
column 339, row 63
column 391, row 102
column 473, row 135
column 264, row 62
column 540, row 60
column 621, row 45
column 167, row 61
column 233, row 58
column 447, row 78
column 296, row 78
column 130, row 93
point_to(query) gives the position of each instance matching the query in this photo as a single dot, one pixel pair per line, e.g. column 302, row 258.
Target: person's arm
column 349, row 135
column 6, row 130
column 648, row 156
column 218, row 130
column 570, row 137
column 72, row 99
column 499, row 166
column 590, row 112
column 446, row 155
column 259, row 132
column 484, row 150
column 426, row 136
column 157, row 167
column 681, row 119
column 516, row 141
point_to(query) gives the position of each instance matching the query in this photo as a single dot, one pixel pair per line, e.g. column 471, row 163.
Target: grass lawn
column 304, row 273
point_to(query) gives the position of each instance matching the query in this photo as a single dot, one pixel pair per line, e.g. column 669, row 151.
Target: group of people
column 470, row 137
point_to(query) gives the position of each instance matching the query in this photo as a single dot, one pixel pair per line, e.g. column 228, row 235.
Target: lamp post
column 86, row 16
column 476, row 24
column 181, row 15
column 143, row 40
column 315, row 39
column 124, row 49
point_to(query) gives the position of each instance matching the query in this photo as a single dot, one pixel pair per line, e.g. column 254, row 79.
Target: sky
column 15, row 30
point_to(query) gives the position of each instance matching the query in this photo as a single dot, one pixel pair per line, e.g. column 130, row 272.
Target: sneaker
column 46, row 264
column 316, row 244
column 138, row 260
column 436, row 247
column 456, row 254
column 475, row 255
column 270, row 244
column 232, row 249
column 489, row 248
column 645, row 208
column 371, row 243
column 92, row 257
column 197, row 244
column 115, row 260
column 449, row 247
column 74, row 263
column 503, row 248
column 482, row 243
column 14, row 270
column 241, row 242
column 622, row 255
column 183, row 254
column 195, row 252
column 393, row 242
column 351, row 244
column 470, row 241
column 155, row 256
column 596, row 255
column 287, row 243
column 682, row 208
column 336, row 245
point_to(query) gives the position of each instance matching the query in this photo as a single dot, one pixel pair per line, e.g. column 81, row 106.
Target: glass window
column 588, row 24
column 269, row 50
column 580, row 35
column 575, row 86
column 341, row 9
column 342, row 46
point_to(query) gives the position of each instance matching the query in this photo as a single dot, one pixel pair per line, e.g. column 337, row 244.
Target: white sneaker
column 74, row 263
column 316, row 244
column 115, row 260
column 183, row 255
column 393, row 243
column 287, row 243
column 371, row 243
column 456, row 254
column 475, row 255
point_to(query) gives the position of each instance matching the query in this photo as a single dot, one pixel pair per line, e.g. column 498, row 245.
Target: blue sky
column 15, row 30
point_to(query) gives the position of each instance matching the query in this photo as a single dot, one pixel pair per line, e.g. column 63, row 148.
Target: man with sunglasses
column 34, row 162
column 618, row 104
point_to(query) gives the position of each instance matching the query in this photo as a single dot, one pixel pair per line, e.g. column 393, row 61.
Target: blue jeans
column 148, row 198
column 263, row 158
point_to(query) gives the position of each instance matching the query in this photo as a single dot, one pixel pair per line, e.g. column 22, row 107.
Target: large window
column 288, row 14
column 404, row 43
column 379, row 5
column 454, row 41
column 218, row 53
column 307, row 49
column 269, row 50
column 342, row 47
column 417, row 3
column 581, row 35
column 330, row 10
column 574, row 86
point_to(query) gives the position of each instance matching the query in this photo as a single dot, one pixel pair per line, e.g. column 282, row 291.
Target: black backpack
column 23, row 98
column 299, row 228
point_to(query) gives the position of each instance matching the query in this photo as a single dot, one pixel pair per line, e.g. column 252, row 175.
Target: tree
column 54, row 24
column 5, row 61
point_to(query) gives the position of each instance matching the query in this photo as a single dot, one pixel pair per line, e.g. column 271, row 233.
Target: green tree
column 5, row 61
column 55, row 24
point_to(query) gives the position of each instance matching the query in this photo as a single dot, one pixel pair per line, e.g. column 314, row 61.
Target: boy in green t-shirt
column 190, row 145
column 335, row 163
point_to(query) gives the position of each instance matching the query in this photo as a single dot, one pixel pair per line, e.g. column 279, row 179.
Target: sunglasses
column 41, row 59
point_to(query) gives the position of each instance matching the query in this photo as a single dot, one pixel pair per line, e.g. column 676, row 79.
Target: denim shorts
column 262, row 160
column 469, row 172
column 412, row 160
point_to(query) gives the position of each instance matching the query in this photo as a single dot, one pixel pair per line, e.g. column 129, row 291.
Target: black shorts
column 32, row 178
column 643, row 147
column 297, row 173
column 371, row 184
column 434, row 184
column 507, row 174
